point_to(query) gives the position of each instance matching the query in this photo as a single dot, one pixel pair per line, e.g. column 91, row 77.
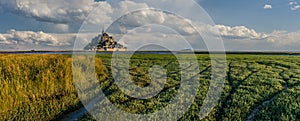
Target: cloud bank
column 29, row 40
column 235, row 38
column 68, row 15
column 239, row 32
column 29, row 37
column 294, row 5
column 66, row 11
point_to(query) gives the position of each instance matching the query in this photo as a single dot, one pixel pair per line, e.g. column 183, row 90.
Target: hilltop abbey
column 105, row 42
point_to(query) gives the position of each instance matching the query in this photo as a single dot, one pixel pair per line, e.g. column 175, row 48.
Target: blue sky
column 253, row 15
column 243, row 24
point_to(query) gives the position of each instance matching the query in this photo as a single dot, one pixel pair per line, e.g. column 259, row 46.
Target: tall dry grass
column 36, row 87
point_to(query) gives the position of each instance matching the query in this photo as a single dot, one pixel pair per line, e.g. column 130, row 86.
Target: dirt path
column 74, row 116
column 264, row 104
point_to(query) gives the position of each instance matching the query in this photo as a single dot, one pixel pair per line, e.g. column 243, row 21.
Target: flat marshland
column 257, row 87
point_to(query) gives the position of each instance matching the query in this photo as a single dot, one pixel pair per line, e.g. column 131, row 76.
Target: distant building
column 105, row 42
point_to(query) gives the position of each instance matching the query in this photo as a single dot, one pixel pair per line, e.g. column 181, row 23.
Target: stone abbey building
column 104, row 42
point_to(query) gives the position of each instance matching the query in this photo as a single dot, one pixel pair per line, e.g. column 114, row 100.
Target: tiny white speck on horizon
column 267, row 6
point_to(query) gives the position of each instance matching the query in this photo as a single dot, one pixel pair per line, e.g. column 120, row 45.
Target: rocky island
column 105, row 42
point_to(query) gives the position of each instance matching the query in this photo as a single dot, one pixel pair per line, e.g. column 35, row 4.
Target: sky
column 256, row 25
column 261, row 15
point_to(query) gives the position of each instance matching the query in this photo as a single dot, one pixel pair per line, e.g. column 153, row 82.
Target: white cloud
column 69, row 14
column 148, row 17
column 25, row 39
column 64, row 13
column 243, row 38
column 239, row 32
column 293, row 3
column 29, row 40
column 267, row 6
column 49, row 11
column 276, row 41
column 282, row 38
column 242, row 33
column 295, row 7
column 235, row 38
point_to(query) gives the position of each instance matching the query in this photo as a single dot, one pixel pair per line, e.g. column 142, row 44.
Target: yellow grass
column 36, row 87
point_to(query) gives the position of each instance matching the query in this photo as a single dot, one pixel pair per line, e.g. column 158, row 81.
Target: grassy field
column 36, row 87
column 257, row 87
